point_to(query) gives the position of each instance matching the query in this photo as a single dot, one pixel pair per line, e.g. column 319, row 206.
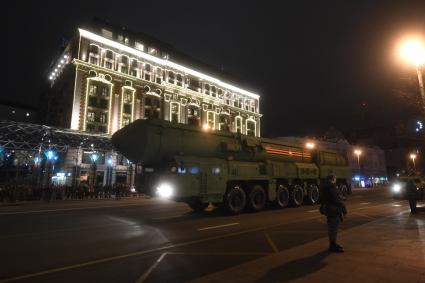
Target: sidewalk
column 26, row 202
column 391, row 249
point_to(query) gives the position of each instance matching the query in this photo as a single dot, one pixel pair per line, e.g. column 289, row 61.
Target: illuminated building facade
column 109, row 77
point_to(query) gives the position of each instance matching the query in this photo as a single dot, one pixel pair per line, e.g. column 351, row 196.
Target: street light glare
column 310, row 145
column 357, row 152
column 413, row 51
column 413, row 156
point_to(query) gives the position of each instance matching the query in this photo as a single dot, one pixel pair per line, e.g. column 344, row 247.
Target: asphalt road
column 150, row 240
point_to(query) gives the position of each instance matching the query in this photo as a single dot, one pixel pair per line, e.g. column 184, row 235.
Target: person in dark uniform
column 411, row 191
column 334, row 208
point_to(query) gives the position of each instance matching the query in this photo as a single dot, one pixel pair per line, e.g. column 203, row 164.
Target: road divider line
column 364, row 203
column 218, row 226
column 149, row 271
column 271, row 243
column 313, row 210
column 167, row 247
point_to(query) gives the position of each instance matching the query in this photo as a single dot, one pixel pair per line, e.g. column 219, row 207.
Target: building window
column 109, row 59
column 90, row 116
column 124, row 64
column 152, row 51
column 152, row 107
column 207, row 89
column 92, row 89
column 147, row 74
column 171, row 77
column 211, row 119
column 224, row 122
column 125, row 121
column 193, row 84
column 158, row 76
column 134, row 68
column 97, row 107
column 213, row 91
column 104, row 90
column 165, row 56
column 219, row 93
column 179, row 80
column 139, row 46
column 93, row 54
column 107, row 33
column 250, row 128
column 193, row 115
column 175, row 112
column 252, row 106
column 103, row 118
column 127, row 106
column 93, row 60
column 109, row 55
column 238, row 124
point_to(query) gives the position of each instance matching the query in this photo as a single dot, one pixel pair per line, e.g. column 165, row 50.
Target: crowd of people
column 12, row 192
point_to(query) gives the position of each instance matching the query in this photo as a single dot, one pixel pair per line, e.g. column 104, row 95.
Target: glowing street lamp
column 310, row 145
column 413, row 157
column 413, row 51
column 206, row 127
column 94, row 157
column 358, row 152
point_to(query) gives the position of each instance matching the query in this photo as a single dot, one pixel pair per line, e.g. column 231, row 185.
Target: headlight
column 396, row 188
column 165, row 190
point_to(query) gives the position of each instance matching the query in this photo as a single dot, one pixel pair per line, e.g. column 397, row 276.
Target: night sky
column 314, row 63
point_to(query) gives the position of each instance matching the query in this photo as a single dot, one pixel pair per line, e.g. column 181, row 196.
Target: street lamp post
column 358, row 152
column 109, row 171
column 94, row 156
column 50, row 156
column 413, row 51
column 413, row 157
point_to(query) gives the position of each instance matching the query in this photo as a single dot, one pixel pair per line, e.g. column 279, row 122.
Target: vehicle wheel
column 256, row 198
column 343, row 190
column 313, row 194
column 297, row 195
column 235, row 200
column 197, row 205
column 282, row 196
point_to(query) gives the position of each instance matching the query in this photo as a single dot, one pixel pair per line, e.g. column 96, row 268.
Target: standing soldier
column 412, row 192
column 334, row 208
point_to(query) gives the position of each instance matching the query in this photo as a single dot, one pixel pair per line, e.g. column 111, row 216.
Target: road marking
column 271, row 243
column 65, row 209
column 364, row 215
column 149, row 271
column 168, row 217
column 179, row 245
column 313, row 210
column 364, row 203
column 298, row 231
column 218, row 254
column 218, row 226
column 396, row 205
